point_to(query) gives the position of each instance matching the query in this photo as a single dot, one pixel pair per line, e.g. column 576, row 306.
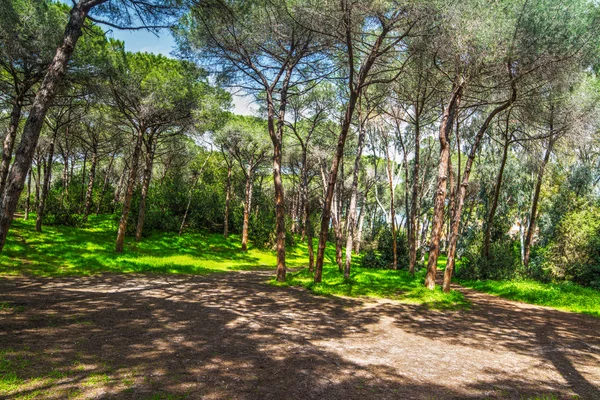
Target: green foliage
column 383, row 256
column 574, row 252
column 503, row 261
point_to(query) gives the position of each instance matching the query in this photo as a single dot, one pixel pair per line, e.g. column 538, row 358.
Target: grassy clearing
column 563, row 296
column 61, row 250
column 363, row 282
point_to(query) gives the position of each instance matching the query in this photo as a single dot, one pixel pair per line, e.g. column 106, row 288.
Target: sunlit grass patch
column 563, row 296
column 381, row 283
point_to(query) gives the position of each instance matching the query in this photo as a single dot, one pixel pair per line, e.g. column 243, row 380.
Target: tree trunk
column 38, row 184
column 119, row 188
column 414, row 204
column 337, row 158
column 337, row 229
column 390, row 175
column 9, row 141
column 82, row 192
column 361, row 222
column 45, row 186
column 353, row 200
column 28, row 199
column 247, row 206
column 535, row 201
column 494, row 206
column 37, row 113
column 105, row 184
column 227, row 201
column 442, row 178
column 150, row 151
column 90, row 188
column 129, row 191
column 187, row 208
column 460, row 200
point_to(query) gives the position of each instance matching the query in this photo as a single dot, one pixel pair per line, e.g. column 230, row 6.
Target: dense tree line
column 402, row 129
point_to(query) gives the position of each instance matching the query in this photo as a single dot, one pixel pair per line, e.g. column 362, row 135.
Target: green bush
column 383, row 257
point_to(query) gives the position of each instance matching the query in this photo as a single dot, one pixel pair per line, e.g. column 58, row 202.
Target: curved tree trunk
column 33, row 126
column 9, row 141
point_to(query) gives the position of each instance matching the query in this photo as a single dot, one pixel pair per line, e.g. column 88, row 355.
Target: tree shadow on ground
column 230, row 336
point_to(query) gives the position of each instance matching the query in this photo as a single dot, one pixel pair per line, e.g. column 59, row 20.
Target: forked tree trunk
column 90, row 189
column 442, row 178
column 31, row 131
column 9, row 141
column 150, row 151
column 460, row 200
column 45, row 186
column 129, row 191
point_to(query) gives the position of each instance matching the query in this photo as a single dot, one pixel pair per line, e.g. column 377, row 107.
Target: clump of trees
column 402, row 129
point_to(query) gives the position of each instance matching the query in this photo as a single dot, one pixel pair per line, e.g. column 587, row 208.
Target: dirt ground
column 231, row 336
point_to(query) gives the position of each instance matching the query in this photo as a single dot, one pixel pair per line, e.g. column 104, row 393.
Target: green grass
column 563, row 296
column 363, row 282
column 61, row 250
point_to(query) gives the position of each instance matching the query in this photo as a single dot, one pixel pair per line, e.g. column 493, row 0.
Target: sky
column 141, row 40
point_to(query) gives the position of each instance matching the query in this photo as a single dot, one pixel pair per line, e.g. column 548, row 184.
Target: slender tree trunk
column 129, row 191
column 337, row 158
column 460, row 200
column 535, row 201
column 227, row 201
column 390, row 175
column 494, row 206
column 150, row 151
column 119, row 188
column 247, row 206
column 361, row 222
column 45, row 186
column 9, row 141
column 90, row 189
column 189, row 203
column 37, row 113
column 414, row 204
column 338, row 232
column 82, row 192
column 38, row 184
column 440, row 196
column 105, row 184
column 28, row 199
column 353, row 200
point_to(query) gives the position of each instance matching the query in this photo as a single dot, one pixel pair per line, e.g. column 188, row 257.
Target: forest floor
column 234, row 336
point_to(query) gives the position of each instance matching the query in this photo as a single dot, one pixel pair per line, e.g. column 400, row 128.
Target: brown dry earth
column 231, row 336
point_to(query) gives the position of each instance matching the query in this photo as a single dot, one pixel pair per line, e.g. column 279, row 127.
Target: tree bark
column 129, row 191
column 460, row 200
column 390, row 176
column 414, row 203
column 442, row 178
column 37, row 113
column 353, row 200
column 9, row 141
column 494, row 206
column 247, row 206
column 45, row 186
column 150, row 151
column 361, row 222
column 28, row 199
column 105, row 184
column 535, row 201
column 90, row 187
column 227, row 200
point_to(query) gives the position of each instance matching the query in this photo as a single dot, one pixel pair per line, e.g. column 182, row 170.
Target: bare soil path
column 231, row 336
